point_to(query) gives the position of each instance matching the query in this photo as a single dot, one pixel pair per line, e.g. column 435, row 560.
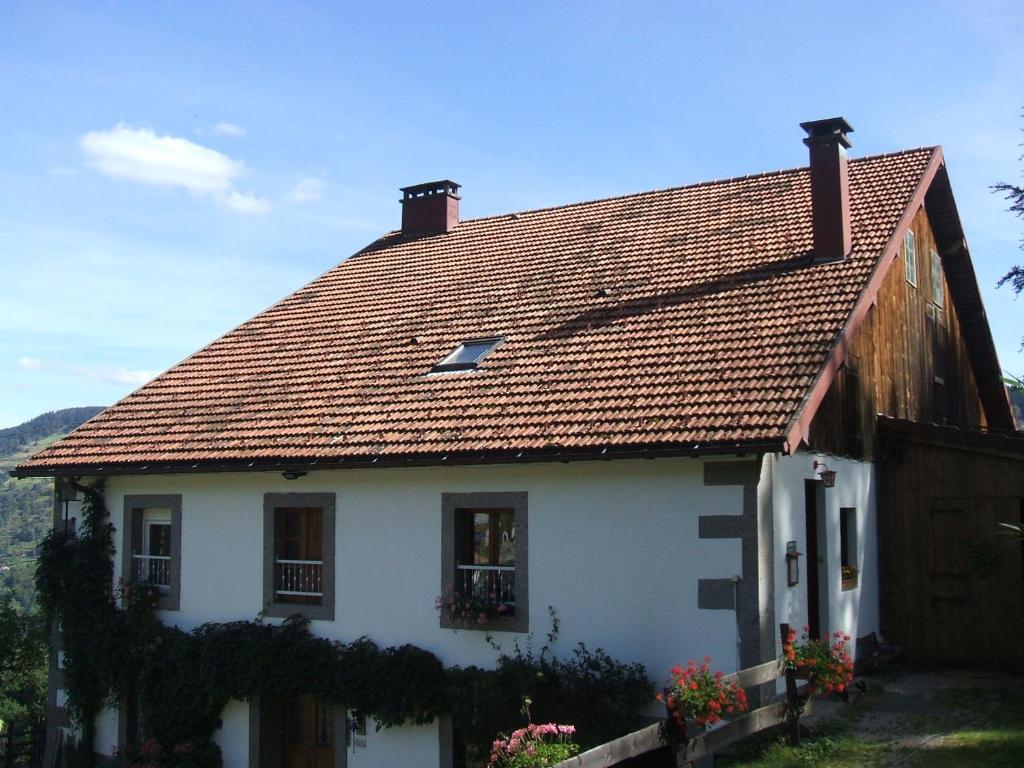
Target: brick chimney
column 429, row 209
column 830, row 187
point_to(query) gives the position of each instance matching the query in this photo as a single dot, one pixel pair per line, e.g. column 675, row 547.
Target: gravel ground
column 912, row 712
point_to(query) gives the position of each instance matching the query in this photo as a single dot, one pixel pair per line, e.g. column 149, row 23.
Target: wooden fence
column 23, row 745
column 688, row 750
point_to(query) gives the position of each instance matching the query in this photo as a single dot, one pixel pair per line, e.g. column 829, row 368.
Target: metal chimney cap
column 442, row 187
column 828, row 130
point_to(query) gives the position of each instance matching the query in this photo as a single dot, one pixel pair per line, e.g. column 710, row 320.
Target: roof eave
column 563, row 455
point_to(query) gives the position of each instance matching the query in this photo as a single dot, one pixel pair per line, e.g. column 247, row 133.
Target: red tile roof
column 684, row 319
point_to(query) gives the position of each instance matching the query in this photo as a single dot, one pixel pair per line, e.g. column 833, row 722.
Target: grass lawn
column 965, row 728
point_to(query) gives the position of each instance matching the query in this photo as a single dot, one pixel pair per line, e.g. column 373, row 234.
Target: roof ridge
column 694, row 185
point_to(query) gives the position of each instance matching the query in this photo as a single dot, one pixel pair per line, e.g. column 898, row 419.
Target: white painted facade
column 853, row 611
column 613, row 548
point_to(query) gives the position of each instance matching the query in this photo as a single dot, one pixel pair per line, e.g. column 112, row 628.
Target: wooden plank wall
column 905, row 342
column 952, row 583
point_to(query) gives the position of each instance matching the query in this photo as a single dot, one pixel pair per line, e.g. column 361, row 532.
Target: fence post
column 792, row 703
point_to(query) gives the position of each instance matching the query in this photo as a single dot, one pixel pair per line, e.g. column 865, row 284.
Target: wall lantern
column 792, row 564
column 827, row 476
column 290, row 475
column 67, row 492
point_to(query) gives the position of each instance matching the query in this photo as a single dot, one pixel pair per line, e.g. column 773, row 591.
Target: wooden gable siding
column 908, row 360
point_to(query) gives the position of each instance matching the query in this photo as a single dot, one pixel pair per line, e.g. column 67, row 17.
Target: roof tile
column 677, row 317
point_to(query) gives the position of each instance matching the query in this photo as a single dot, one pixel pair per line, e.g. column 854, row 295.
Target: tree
column 22, row 663
column 1015, row 194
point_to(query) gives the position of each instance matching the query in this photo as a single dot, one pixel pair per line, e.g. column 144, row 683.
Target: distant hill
column 26, row 506
column 50, row 423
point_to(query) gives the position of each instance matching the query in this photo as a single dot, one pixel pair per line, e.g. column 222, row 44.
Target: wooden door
column 974, row 601
column 816, row 576
column 308, row 733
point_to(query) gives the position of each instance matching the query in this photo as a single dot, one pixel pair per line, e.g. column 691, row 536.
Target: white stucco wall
column 233, row 747
column 613, row 546
column 414, row 747
column 106, row 732
column 853, row 611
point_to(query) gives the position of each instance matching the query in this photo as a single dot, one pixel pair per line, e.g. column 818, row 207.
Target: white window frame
column 151, row 517
column 938, row 284
column 910, row 257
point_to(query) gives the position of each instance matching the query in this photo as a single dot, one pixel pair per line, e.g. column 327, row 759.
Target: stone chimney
column 430, row 209
column 830, row 187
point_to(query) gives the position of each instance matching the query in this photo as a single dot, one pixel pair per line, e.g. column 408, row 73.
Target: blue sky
column 171, row 169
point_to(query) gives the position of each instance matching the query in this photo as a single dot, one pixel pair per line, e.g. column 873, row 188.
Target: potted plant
column 695, row 693
column 534, row 746
column 825, row 663
column 469, row 609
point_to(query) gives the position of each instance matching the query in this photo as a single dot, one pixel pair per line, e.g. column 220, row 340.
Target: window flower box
column 473, row 611
column 851, row 577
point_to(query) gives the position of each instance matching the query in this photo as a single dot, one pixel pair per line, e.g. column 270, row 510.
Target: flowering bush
column 696, row 693
column 826, row 663
column 534, row 746
column 471, row 609
column 152, row 755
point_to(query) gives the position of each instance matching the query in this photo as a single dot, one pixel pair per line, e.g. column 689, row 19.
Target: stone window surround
column 280, row 609
column 131, row 541
column 517, row 501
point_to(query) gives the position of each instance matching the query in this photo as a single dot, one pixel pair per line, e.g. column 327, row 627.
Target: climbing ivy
column 117, row 650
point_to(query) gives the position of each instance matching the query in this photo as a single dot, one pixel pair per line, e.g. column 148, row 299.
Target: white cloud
column 307, row 190
column 104, row 373
column 229, row 129
column 243, row 203
column 114, row 375
column 139, row 155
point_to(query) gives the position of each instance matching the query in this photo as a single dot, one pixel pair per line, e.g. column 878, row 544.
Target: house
column 654, row 413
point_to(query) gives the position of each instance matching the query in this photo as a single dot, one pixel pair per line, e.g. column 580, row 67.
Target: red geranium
column 696, row 693
column 826, row 663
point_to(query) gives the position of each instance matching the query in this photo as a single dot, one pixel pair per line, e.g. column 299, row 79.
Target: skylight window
column 468, row 355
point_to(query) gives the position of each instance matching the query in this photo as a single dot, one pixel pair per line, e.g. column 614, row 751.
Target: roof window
column 468, row 355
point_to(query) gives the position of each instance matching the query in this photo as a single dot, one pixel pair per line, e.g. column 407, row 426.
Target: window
column 938, row 294
column 153, row 566
column 942, row 402
column 468, row 355
column 910, row 257
column 298, row 555
column 152, row 546
column 484, row 557
column 848, row 547
column 299, row 559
